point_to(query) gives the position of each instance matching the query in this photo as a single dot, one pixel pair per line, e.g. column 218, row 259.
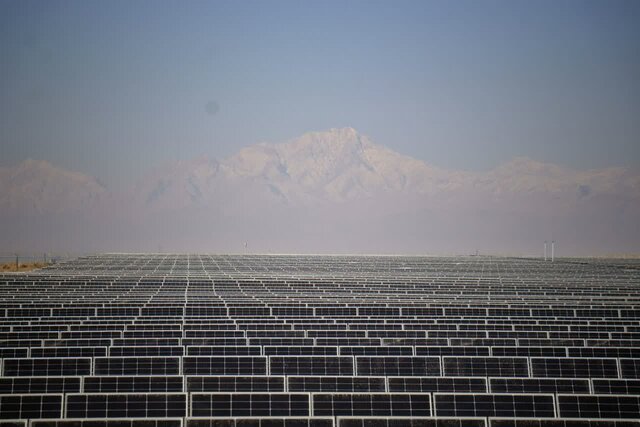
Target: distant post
column 545, row 250
column 553, row 246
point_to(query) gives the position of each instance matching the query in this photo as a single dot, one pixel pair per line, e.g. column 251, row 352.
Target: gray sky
column 113, row 88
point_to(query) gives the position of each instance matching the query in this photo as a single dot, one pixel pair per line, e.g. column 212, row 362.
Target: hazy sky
column 111, row 88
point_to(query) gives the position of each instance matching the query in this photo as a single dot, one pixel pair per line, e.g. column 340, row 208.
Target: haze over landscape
column 355, row 127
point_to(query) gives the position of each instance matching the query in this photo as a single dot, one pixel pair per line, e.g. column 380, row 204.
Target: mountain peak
column 335, row 142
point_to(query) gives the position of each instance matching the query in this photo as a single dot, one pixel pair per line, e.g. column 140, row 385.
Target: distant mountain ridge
column 316, row 191
column 340, row 165
column 38, row 186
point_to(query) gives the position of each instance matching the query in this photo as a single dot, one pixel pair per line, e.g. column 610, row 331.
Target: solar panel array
column 320, row 341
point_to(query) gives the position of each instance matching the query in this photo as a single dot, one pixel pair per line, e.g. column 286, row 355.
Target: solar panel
column 16, row 406
column 438, row 384
column 398, row 366
column 46, row 367
column 224, row 350
column 135, row 351
column 574, row 368
column 261, row 422
column 514, row 422
column 53, row 352
column 108, row 423
column 300, row 351
column 371, row 404
column 310, row 365
column 486, row 366
column 530, row 351
column 137, row 366
column 249, row 404
column 599, row 406
column 539, row 385
column 133, row 384
column 604, row 386
column 452, row 351
column 494, row 405
column 616, row 352
column 224, row 365
column 235, row 384
column 6, row 353
column 27, row 385
column 376, row 351
column 630, row 368
column 409, row 422
column 121, row 405
column 337, row 384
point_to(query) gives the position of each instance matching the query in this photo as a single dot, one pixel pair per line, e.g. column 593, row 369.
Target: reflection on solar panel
column 321, row 341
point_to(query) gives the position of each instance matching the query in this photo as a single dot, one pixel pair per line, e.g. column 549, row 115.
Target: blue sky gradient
column 114, row 88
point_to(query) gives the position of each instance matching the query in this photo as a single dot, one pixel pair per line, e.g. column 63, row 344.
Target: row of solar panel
column 240, row 350
column 167, row 280
column 328, row 333
column 148, row 384
column 443, row 326
column 263, row 310
column 324, row 422
column 305, row 342
column 450, row 328
column 317, row 404
column 536, row 367
column 46, row 324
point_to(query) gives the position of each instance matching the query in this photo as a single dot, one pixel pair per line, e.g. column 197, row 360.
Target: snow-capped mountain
column 337, row 165
column 340, row 165
column 330, row 191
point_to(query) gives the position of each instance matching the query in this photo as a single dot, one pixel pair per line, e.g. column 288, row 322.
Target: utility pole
column 545, row 250
column 553, row 245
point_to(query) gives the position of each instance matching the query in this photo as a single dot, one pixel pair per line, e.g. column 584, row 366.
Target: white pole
column 545, row 250
column 553, row 247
